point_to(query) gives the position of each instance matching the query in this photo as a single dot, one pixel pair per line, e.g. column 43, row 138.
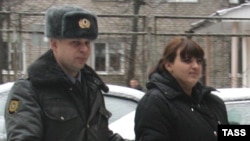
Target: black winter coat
column 51, row 108
column 166, row 113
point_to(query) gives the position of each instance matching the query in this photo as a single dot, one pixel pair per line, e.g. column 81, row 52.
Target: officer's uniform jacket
column 47, row 106
column 166, row 113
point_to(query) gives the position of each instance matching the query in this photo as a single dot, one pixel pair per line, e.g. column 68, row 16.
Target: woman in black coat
column 177, row 107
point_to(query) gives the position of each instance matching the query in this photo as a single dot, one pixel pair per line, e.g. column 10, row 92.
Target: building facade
column 139, row 27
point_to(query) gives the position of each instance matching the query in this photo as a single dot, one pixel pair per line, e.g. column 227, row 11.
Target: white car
column 120, row 101
column 237, row 102
column 4, row 89
column 123, row 109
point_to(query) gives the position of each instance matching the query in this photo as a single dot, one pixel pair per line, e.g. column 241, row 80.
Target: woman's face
column 186, row 71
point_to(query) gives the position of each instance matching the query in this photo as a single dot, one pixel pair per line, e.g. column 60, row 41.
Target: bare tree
column 131, row 64
column 1, row 43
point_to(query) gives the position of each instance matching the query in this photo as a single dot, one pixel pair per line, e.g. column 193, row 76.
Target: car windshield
column 119, row 107
column 238, row 112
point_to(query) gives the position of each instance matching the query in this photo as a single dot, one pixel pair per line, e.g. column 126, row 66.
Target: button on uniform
column 199, row 106
column 215, row 133
column 192, row 109
column 62, row 118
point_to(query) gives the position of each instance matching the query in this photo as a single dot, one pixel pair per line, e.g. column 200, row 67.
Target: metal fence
column 23, row 32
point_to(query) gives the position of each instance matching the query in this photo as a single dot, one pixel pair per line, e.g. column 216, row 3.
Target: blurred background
column 132, row 35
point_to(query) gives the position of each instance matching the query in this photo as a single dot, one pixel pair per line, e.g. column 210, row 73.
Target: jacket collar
column 168, row 85
column 45, row 71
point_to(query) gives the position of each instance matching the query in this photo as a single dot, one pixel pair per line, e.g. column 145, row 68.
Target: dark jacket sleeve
column 23, row 121
column 151, row 123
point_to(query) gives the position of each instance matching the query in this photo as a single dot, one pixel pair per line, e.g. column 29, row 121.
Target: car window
column 238, row 112
column 3, row 98
column 119, row 107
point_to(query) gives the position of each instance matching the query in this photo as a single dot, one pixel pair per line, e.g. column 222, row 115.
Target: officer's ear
column 53, row 44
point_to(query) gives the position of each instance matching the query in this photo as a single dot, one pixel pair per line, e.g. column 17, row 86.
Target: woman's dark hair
column 189, row 49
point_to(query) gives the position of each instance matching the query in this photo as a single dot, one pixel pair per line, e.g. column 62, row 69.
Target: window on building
column 38, row 39
column 182, row 0
column 5, row 55
column 13, row 52
column 108, row 58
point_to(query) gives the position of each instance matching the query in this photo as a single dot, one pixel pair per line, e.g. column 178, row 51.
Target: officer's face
column 71, row 54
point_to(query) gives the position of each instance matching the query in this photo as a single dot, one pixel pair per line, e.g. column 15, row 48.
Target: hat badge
column 84, row 23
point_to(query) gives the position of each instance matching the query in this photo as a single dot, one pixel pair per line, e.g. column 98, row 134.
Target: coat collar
column 168, row 85
column 45, row 71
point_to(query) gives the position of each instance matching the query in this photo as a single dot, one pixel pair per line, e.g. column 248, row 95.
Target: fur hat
column 70, row 22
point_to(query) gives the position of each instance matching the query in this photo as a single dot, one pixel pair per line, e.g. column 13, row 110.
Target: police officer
column 61, row 98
